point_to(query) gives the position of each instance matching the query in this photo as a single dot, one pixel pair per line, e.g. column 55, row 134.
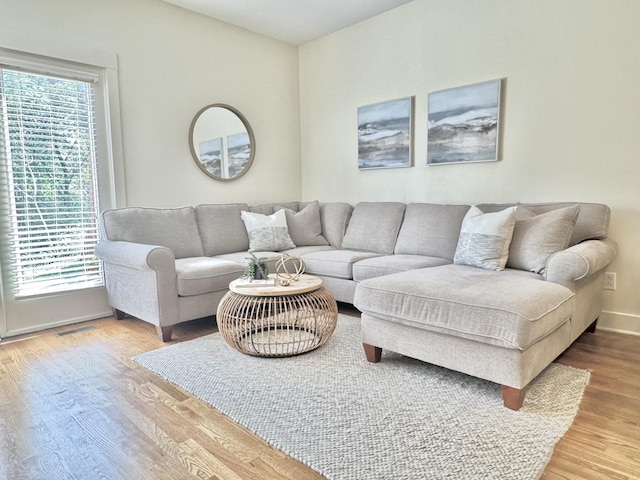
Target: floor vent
column 76, row 330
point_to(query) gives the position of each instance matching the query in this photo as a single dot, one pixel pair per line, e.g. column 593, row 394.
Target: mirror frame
column 247, row 126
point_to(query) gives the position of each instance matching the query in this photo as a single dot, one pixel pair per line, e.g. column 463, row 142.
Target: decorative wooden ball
column 288, row 269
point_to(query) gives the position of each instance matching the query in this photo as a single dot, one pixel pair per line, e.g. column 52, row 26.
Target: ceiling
column 292, row 21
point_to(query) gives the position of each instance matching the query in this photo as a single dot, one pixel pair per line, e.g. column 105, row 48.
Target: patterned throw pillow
column 485, row 238
column 267, row 233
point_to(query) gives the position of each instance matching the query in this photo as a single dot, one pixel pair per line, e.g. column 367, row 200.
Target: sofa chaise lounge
column 409, row 268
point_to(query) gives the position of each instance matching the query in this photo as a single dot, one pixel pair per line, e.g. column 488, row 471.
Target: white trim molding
column 619, row 322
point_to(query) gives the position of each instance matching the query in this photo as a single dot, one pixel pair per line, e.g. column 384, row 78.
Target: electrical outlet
column 609, row 281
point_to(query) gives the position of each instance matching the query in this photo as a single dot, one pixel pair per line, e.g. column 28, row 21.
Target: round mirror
column 222, row 142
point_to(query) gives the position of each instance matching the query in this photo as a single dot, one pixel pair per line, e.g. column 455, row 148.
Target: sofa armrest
column 580, row 261
column 138, row 256
column 141, row 280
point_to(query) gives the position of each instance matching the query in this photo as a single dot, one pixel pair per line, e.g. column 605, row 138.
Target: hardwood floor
column 604, row 440
column 74, row 406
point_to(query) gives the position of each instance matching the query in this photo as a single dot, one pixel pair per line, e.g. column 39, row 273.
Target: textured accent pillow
column 485, row 238
column 267, row 233
column 305, row 228
column 537, row 237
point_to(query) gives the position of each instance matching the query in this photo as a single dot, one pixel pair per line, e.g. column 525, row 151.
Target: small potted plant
column 256, row 268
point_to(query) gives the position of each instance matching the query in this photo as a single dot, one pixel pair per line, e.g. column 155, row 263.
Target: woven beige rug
column 398, row 419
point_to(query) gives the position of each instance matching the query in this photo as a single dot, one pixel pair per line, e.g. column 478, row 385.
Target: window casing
column 53, row 152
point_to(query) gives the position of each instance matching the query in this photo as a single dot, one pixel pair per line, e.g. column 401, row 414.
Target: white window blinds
column 48, row 135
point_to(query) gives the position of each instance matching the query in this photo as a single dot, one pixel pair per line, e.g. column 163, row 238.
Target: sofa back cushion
column 222, row 229
column 270, row 208
column 374, row 227
column 430, row 229
column 592, row 222
column 334, row 218
column 174, row 228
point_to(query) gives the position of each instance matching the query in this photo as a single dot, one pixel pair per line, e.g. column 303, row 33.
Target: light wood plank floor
column 74, row 406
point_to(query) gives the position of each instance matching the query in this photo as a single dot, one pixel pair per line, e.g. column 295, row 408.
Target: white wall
column 173, row 62
column 571, row 110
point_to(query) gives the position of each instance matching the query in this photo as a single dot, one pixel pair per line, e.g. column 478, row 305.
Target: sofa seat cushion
column 242, row 258
column 334, row 263
column 509, row 308
column 198, row 275
column 388, row 264
column 300, row 251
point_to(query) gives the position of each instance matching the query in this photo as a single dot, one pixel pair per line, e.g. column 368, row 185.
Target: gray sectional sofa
column 406, row 267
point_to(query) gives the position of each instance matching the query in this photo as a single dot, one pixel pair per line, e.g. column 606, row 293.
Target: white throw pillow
column 267, row 233
column 485, row 238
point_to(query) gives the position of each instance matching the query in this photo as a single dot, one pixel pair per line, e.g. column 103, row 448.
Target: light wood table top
column 306, row 283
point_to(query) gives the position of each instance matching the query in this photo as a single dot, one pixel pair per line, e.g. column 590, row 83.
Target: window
column 48, row 138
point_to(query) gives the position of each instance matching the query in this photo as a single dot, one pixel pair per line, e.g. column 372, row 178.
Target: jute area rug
column 398, row 419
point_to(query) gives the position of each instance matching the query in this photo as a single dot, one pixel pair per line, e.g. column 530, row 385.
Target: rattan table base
column 277, row 325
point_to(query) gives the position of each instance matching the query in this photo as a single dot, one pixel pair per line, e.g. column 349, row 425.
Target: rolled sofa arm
column 136, row 255
column 141, row 280
column 580, row 261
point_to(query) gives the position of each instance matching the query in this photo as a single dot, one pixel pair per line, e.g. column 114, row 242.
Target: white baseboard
column 609, row 321
column 22, row 331
column 619, row 322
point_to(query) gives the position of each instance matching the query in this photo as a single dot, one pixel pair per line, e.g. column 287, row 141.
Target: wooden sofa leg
column 372, row 353
column 117, row 314
column 592, row 328
column 513, row 398
column 164, row 333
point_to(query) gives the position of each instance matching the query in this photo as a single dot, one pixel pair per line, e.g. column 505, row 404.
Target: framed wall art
column 385, row 134
column 464, row 124
column 210, row 155
column 238, row 152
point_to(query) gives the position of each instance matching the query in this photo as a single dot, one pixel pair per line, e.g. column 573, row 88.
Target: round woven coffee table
column 277, row 321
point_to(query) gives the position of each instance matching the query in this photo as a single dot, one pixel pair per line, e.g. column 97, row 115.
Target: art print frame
column 385, row 134
column 464, row 124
